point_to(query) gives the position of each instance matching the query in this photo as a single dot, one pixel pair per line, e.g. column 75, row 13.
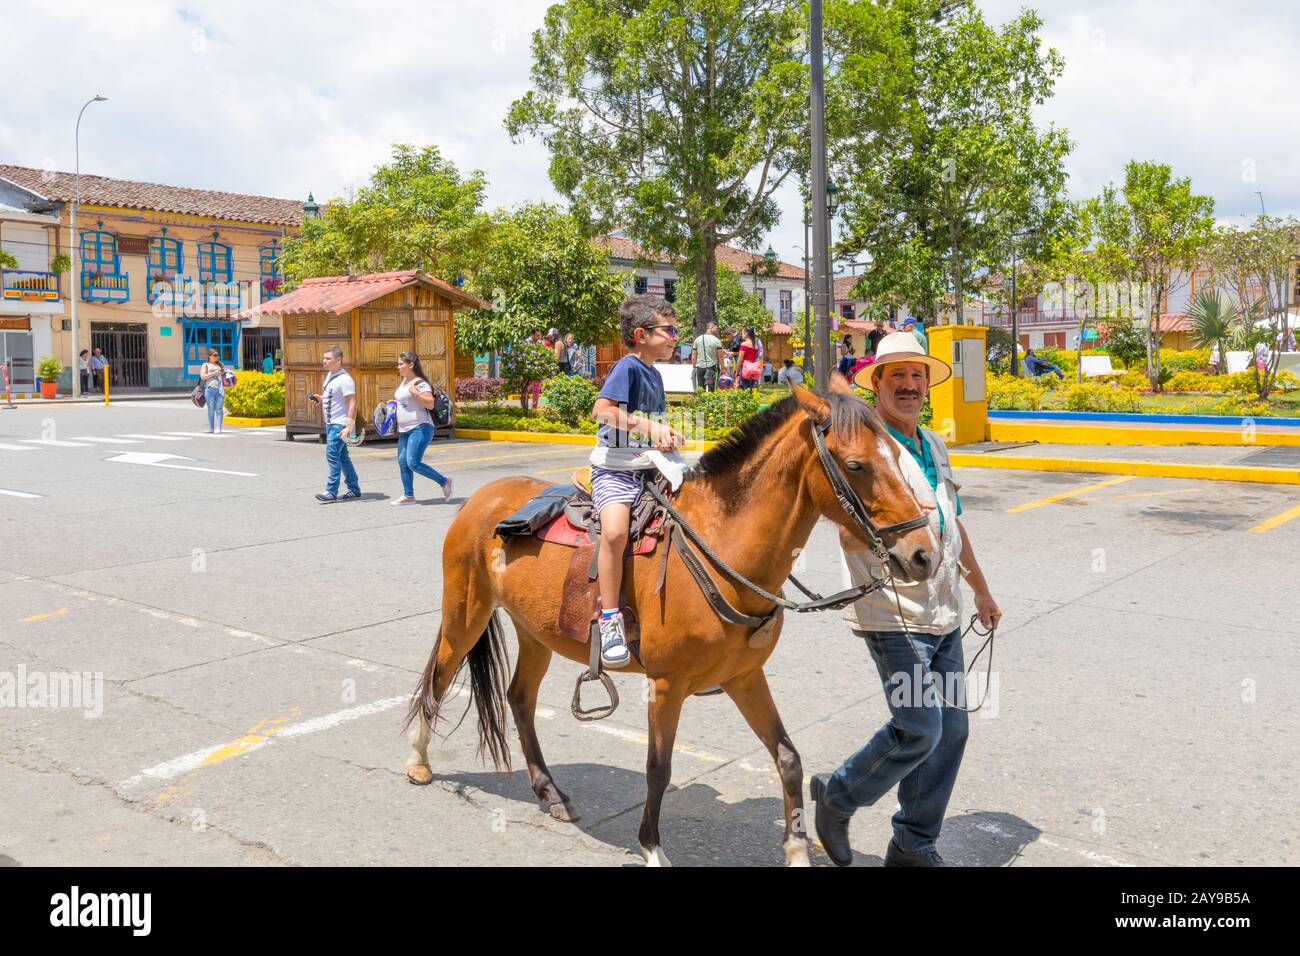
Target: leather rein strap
column 853, row 505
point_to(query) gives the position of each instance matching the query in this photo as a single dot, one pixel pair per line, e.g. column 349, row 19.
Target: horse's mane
column 848, row 412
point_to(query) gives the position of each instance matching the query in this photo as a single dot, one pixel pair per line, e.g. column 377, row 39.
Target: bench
column 1091, row 365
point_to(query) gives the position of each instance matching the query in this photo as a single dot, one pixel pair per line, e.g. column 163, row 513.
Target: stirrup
column 595, row 713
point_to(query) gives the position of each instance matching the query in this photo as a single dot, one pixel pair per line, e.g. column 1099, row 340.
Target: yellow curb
column 1120, row 435
column 553, row 438
column 251, row 422
column 1143, row 469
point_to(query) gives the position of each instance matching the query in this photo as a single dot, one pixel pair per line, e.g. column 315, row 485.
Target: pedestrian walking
column 705, row 350
column 268, row 364
column 97, row 365
column 213, row 377
column 913, row 633
column 83, row 370
column 749, row 361
column 415, row 398
column 338, row 399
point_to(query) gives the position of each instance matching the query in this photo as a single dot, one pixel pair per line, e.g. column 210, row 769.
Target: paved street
column 257, row 649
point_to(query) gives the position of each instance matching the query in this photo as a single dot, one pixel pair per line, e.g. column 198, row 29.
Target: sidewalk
column 1242, row 462
column 131, row 396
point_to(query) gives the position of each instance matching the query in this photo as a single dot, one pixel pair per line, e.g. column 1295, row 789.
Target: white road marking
column 156, row 460
column 19, row 494
column 202, row 434
column 153, row 437
column 52, row 442
column 108, row 441
column 17, row 448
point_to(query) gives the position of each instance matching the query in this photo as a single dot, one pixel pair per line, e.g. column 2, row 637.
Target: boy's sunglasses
column 670, row 329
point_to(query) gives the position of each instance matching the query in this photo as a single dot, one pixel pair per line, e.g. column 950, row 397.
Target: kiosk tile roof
column 341, row 294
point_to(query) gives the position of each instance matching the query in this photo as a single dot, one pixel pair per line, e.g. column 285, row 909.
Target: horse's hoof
column 796, row 852
column 563, row 812
column 654, row 856
column 419, row 775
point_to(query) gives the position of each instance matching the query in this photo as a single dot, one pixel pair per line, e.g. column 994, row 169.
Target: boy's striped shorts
column 610, row 487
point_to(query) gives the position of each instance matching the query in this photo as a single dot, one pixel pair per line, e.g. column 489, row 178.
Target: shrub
column 1184, row 361
column 257, row 395
column 525, row 364
column 1010, row 392
column 475, row 389
column 723, row 409
column 1091, row 397
column 570, row 398
column 510, row 420
column 1197, row 382
column 49, row 369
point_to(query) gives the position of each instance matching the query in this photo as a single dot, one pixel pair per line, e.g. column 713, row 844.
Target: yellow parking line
column 466, row 461
column 1277, row 520
column 40, row 617
column 1070, row 494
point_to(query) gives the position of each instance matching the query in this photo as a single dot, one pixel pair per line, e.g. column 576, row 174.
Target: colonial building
column 164, row 271
column 655, row 273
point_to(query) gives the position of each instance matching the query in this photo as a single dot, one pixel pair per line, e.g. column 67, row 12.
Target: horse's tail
column 487, row 684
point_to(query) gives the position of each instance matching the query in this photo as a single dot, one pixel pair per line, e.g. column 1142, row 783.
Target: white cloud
column 281, row 98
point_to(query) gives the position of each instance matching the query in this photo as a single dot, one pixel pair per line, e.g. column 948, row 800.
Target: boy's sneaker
column 613, row 643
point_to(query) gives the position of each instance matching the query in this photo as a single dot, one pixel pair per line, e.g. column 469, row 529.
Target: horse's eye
column 853, row 465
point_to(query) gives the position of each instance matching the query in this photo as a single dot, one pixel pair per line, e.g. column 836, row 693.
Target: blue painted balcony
column 104, row 287
column 222, row 297
column 21, row 285
column 170, row 290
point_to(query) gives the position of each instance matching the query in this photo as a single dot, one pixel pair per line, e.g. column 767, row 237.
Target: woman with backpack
column 416, row 400
column 213, row 378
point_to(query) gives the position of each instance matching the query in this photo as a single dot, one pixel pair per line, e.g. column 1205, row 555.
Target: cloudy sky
column 281, row 98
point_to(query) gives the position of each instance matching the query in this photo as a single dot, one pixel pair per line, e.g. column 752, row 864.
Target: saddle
column 564, row 515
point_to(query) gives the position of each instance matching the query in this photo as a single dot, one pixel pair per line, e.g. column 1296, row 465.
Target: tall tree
column 539, row 271
column 1152, row 231
column 737, row 307
column 675, row 120
column 1255, row 264
column 956, row 167
column 417, row 212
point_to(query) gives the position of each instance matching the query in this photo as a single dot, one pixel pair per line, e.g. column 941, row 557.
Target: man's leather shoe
column 832, row 826
column 897, row 856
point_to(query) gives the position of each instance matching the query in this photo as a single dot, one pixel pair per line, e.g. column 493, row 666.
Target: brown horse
column 755, row 497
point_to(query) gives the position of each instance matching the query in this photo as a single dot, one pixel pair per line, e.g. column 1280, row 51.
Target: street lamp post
column 75, row 243
column 807, row 297
column 820, row 233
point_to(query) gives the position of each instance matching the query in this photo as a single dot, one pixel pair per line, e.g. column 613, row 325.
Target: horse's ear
column 840, row 384
column 814, row 406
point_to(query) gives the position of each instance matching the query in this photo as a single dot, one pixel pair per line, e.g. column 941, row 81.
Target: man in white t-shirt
column 338, row 400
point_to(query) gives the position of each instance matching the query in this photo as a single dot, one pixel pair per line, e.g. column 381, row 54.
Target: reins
column 856, row 509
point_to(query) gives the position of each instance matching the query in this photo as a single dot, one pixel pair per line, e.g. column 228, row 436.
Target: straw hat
column 902, row 347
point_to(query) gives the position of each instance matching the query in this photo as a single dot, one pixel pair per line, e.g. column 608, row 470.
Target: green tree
column 958, row 166
column 1256, row 265
column 1151, row 231
column 736, row 306
column 418, row 212
column 526, row 363
column 676, row 120
column 539, row 271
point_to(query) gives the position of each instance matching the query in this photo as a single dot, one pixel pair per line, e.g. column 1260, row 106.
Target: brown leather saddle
column 565, row 515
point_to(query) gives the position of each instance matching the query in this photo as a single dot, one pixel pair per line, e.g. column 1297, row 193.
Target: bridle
column 852, row 502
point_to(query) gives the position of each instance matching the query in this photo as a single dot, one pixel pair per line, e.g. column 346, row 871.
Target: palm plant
column 1214, row 323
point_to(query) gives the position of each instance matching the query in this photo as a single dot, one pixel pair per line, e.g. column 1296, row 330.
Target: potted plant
column 49, row 370
column 61, row 263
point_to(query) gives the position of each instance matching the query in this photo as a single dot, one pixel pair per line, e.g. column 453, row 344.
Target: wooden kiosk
column 371, row 318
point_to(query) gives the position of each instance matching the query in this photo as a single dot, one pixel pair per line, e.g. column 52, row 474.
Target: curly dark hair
column 642, row 312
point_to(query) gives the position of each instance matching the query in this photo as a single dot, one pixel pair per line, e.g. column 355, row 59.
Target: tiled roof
column 341, row 294
column 738, row 260
column 154, row 197
column 842, row 286
column 1175, row 322
column 780, row 328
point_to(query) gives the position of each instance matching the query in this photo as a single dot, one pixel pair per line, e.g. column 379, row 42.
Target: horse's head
column 867, row 462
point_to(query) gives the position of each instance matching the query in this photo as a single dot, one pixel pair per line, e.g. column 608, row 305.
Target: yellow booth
column 960, row 405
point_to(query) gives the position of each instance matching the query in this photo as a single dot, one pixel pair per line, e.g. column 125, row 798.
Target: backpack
column 442, row 411
column 197, row 397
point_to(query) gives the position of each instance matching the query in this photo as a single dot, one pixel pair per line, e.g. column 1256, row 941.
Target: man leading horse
column 913, row 633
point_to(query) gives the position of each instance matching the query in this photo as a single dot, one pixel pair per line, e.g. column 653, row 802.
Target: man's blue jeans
column 336, row 453
column 410, row 449
column 920, row 748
